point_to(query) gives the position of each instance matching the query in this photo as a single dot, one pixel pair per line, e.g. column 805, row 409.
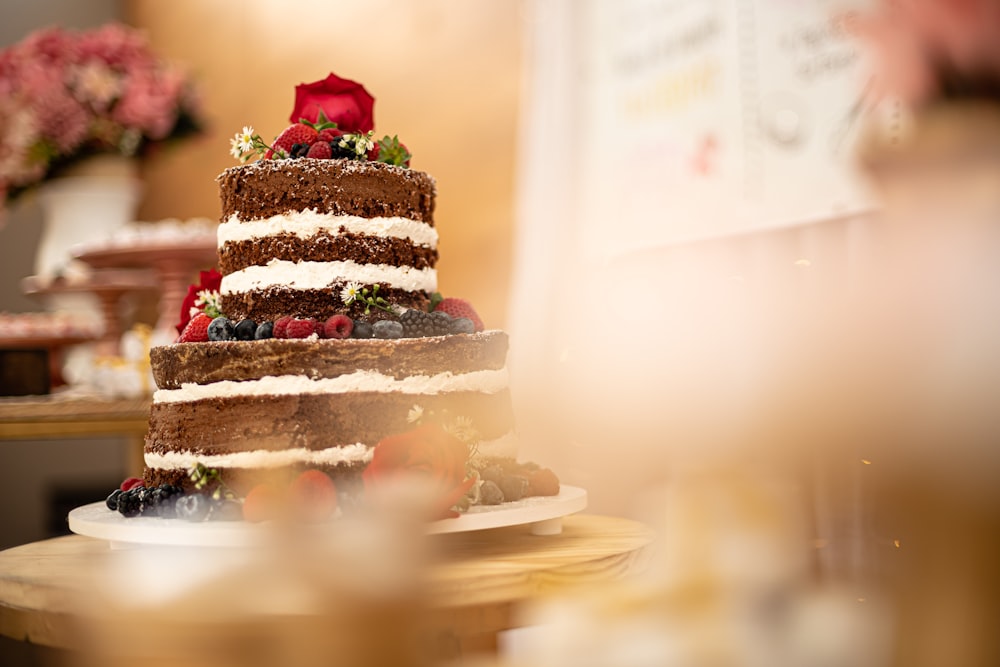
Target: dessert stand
column 542, row 514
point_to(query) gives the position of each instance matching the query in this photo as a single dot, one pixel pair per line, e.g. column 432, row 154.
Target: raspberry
column 131, row 482
column 460, row 308
column 280, row 329
column 320, row 151
column 313, row 495
column 196, row 330
column 339, row 327
column 291, row 135
column 329, row 134
column 300, row 328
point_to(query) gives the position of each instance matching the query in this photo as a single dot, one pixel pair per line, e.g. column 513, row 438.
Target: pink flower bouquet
column 67, row 95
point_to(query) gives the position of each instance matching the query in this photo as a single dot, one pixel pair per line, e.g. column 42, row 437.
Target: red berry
column 261, row 504
column 291, row 135
column 460, row 308
column 300, row 328
column 280, row 328
column 374, row 152
column 196, row 330
column 329, row 134
column 320, row 151
column 313, row 496
column 338, row 326
column 131, row 483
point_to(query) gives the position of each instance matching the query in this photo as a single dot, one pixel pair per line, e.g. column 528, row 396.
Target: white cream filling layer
column 486, row 381
column 308, row 223
column 321, row 275
column 261, row 458
column 504, row 446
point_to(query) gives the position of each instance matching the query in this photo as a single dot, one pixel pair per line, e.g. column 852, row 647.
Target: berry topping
column 196, row 330
column 112, row 500
column 419, row 324
column 320, row 151
column 226, row 509
column 246, row 330
column 490, row 493
column 329, row 134
column 459, row 308
column 299, row 150
column 462, row 325
column 131, row 483
column 130, row 502
column 362, row 329
column 193, row 507
column 338, row 326
column 514, row 487
column 391, row 151
column 291, row 135
column 161, row 500
column 341, row 149
column 543, row 482
column 387, row 329
column 281, row 326
column 221, row 329
column 313, row 496
column 300, row 328
column 264, row 331
column 261, row 503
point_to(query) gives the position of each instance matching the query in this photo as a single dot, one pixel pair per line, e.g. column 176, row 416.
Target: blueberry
column 246, row 329
column 387, row 329
column 462, row 325
column 338, row 151
column 298, row 150
column 193, row 507
column 264, row 330
column 362, row 330
column 112, row 500
column 221, row 329
column 161, row 501
column 514, row 487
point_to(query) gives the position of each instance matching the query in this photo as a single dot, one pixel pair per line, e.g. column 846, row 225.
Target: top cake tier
column 294, row 233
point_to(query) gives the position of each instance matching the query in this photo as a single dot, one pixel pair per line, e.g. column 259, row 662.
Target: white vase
column 89, row 203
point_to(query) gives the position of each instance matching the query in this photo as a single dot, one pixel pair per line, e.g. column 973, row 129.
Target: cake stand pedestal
column 53, row 345
column 175, row 266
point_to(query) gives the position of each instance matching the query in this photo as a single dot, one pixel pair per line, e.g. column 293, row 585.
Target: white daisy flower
column 415, row 414
column 350, row 293
column 235, row 147
column 246, row 138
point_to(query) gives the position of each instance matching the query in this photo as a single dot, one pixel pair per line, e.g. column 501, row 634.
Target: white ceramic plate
column 96, row 520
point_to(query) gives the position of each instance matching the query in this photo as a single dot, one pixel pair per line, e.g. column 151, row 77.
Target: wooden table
column 63, row 416
column 474, row 590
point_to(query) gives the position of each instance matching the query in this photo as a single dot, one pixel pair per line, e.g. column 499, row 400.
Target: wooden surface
column 475, row 586
column 64, row 416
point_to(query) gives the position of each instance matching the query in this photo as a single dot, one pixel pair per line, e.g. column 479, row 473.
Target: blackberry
column 418, row 324
column 246, row 329
column 462, row 325
column 490, row 493
column 298, row 150
column 161, row 501
column 264, row 330
column 338, row 151
column 362, row 329
column 387, row 329
column 112, row 500
column 221, row 329
column 129, row 502
column 193, row 507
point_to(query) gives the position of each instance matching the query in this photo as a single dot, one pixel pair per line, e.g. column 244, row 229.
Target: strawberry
column 329, row 134
column 280, row 329
column 196, row 330
column 261, row 503
column 339, row 327
column 303, row 328
column 313, row 496
column 291, row 135
column 320, row 151
column 459, row 308
column 391, row 151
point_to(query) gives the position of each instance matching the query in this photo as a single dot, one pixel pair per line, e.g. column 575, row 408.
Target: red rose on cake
column 208, row 282
column 432, row 455
column 343, row 101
